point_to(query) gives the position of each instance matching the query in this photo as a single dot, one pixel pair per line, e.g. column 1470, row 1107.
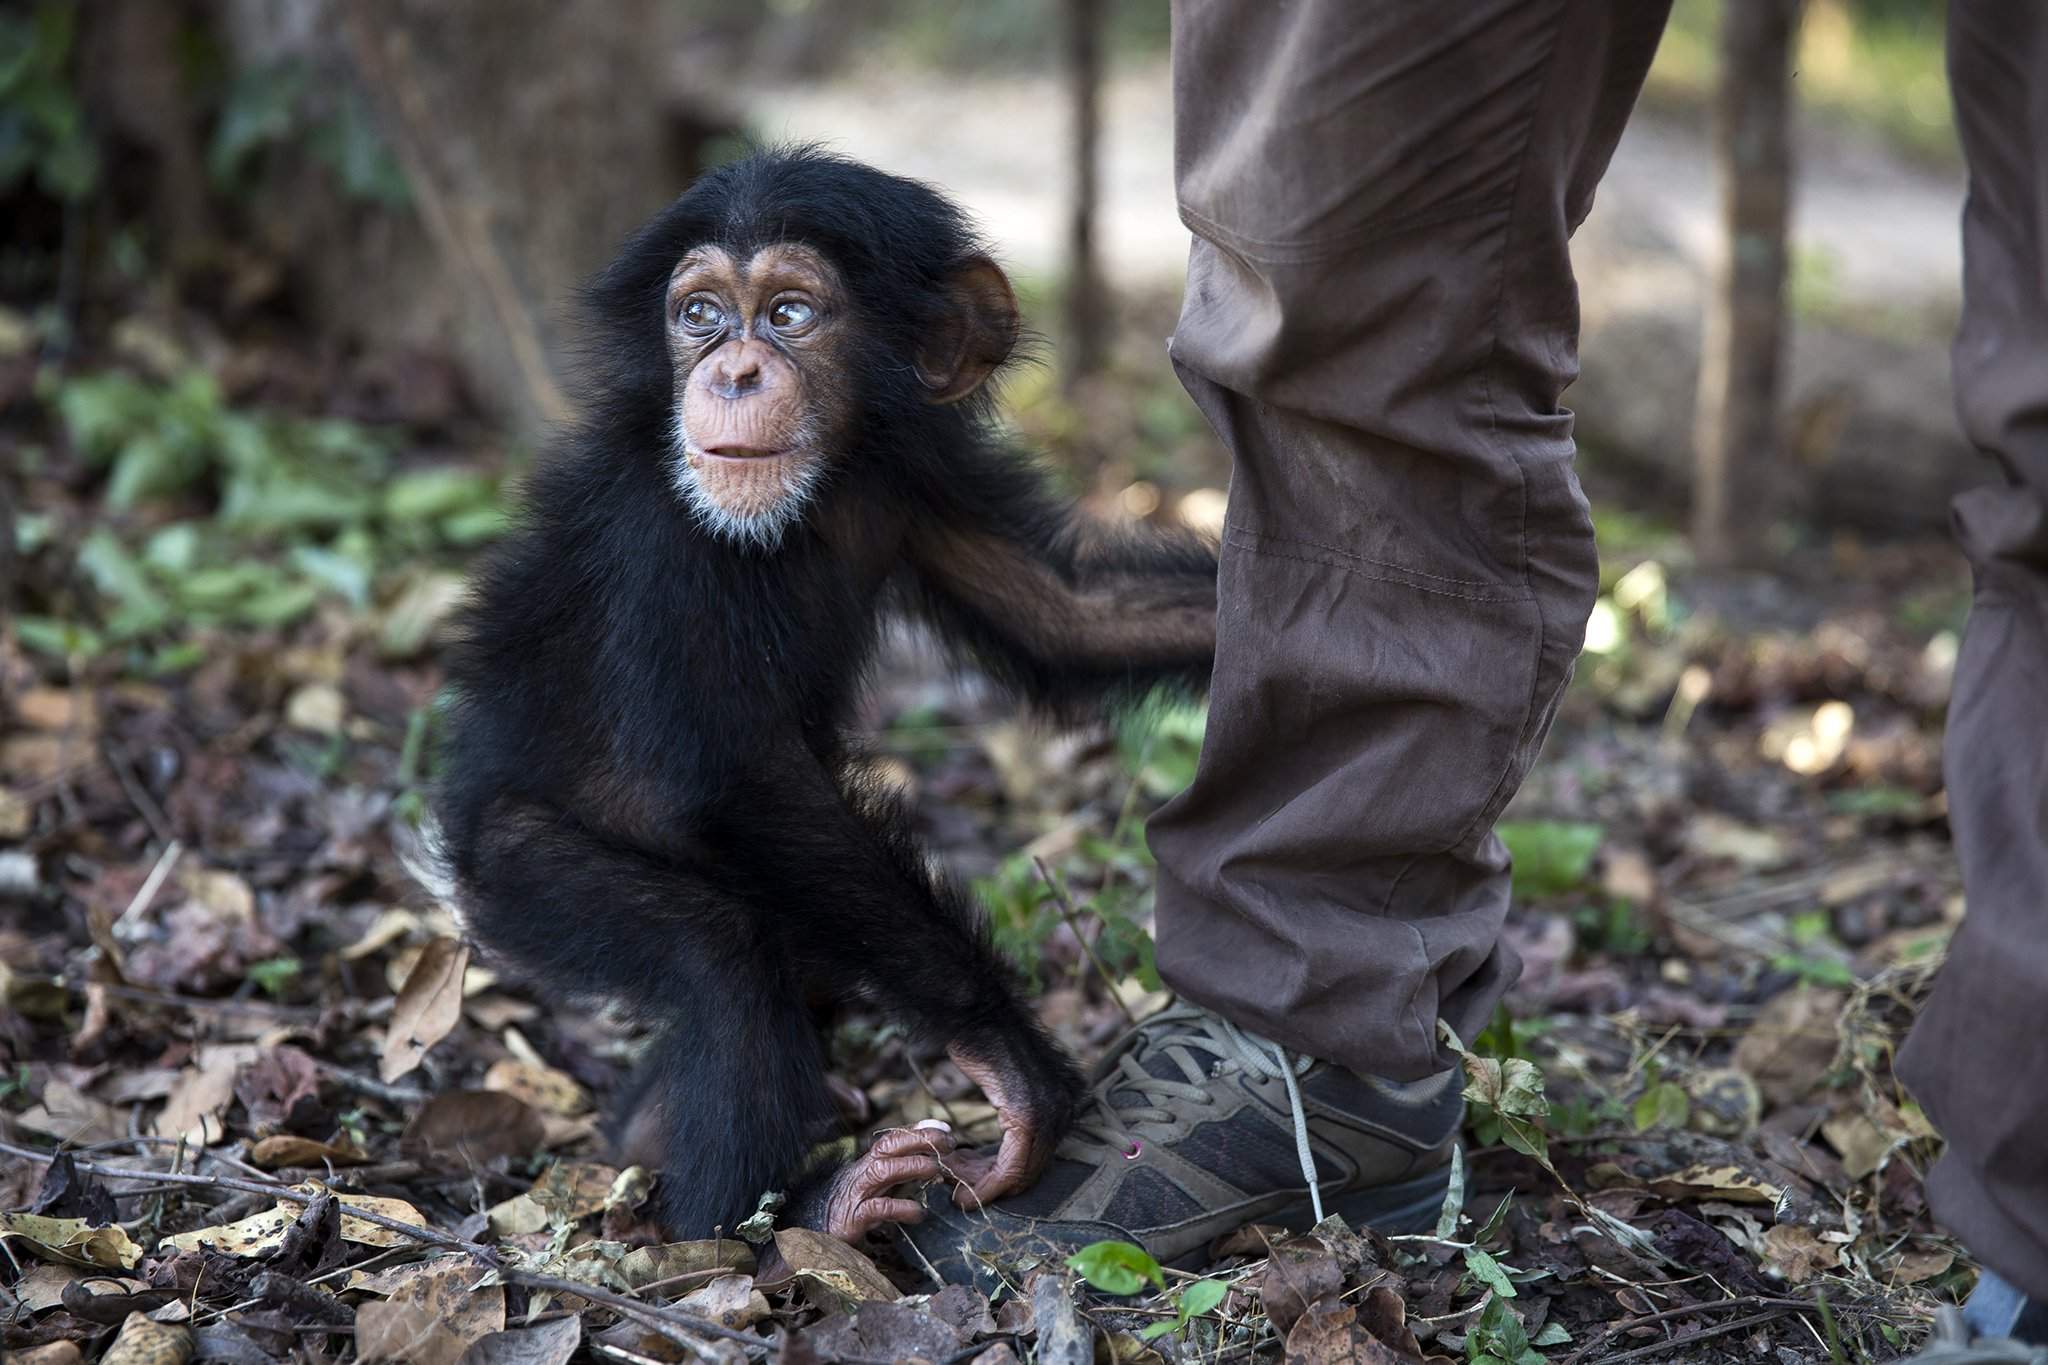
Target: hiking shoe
column 1193, row 1128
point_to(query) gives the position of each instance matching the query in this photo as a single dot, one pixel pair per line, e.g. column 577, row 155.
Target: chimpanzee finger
column 1015, row 1164
column 873, row 1213
column 904, row 1141
column 878, row 1173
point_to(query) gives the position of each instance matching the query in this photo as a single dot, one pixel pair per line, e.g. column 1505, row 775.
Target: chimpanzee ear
column 978, row 333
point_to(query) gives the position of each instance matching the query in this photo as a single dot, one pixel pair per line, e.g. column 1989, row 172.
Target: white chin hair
column 763, row 500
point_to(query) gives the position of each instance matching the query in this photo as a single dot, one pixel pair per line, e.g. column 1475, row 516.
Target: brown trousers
column 1978, row 1058
column 1380, row 321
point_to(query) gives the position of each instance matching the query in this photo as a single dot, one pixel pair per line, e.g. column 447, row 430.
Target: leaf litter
column 305, row 1125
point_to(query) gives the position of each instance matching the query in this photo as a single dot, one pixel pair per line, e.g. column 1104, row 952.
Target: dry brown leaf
column 1796, row 1252
column 1918, row 1264
column 70, row 1240
column 1707, row 1181
column 428, row 1006
column 729, row 1300
column 197, row 1102
column 550, row 1343
column 473, row 1128
column 404, row 1334
column 226, row 897
column 447, row 1292
column 645, row 1265
column 1863, row 1145
column 143, row 1342
column 72, row 1116
column 547, row 1089
column 56, row 708
column 1791, row 1044
column 285, row 1149
column 51, row 1353
column 317, row 707
column 389, row 928
column 264, row 1232
column 833, row 1273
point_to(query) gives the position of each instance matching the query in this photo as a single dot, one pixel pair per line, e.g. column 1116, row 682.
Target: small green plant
column 43, row 131
column 278, row 107
column 274, row 974
column 1498, row 1337
column 1663, row 1104
column 1551, row 856
column 1159, row 744
column 1121, row 1268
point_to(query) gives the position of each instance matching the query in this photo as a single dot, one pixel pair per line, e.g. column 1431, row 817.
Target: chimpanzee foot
column 857, row 1200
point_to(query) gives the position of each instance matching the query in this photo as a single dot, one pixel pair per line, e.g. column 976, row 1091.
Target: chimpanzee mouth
column 738, row 454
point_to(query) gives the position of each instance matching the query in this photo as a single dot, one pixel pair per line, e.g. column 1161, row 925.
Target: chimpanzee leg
column 735, row 1080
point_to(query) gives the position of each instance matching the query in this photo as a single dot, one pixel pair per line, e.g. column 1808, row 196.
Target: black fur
column 646, row 794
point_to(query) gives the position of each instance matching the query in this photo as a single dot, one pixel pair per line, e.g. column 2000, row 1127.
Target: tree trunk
column 1735, row 433
column 1087, row 307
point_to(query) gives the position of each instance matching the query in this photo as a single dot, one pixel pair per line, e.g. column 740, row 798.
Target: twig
column 273, row 1189
column 150, row 884
column 458, row 229
column 676, row 1326
column 1072, row 917
column 370, row 1085
column 196, row 1003
column 1659, row 1347
column 138, row 796
column 1686, row 1310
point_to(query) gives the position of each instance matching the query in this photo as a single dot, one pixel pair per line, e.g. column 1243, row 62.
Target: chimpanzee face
column 761, row 383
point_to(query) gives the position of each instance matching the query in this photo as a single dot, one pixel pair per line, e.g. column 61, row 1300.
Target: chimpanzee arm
column 1067, row 611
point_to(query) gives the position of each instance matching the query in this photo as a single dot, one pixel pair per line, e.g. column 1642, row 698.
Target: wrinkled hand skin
column 1032, row 1127
column 855, row 1200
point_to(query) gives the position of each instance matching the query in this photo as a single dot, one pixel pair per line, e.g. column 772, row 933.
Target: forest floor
column 220, row 992
column 223, row 998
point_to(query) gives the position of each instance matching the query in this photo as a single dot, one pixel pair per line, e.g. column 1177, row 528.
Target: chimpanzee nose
column 736, row 371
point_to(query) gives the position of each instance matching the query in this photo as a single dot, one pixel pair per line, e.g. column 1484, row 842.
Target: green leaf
column 1553, row 1334
column 1663, row 1105
column 1116, row 1267
column 120, row 576
column 1551, row 857
column 64, row 640
column 1487, row 1271
column 1203, row 1296
column 1454, row 1195
column 431, row 494
column 273, row 974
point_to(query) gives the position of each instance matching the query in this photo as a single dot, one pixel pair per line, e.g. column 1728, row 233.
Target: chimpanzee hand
column 854, row 1200
column 1034, row 1097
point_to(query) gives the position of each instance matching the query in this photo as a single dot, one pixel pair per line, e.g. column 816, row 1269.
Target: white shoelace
column 1108, row 1122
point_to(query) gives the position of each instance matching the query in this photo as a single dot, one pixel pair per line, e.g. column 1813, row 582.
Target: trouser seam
column 1507, row 239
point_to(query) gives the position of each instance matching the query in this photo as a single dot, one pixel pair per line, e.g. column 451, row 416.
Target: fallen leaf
column 428, row 1006
column 729, row 1300
column 1863, row 1145
column 472, row 1128
column 72, row 1116
column 447, row 1292
column 832, row 1271
column 72, row 1241
column 285, row 1149
column 1706, row 1181
column 1791, row 1043
column 316, row 707
column 1918, row 1264
column 646, row 1265
column 264, row 1232
column 545, row 1088
column 143, row 1342
column 50, row 1353
column 551, row 1343
column 404, row 1334
column 1796, row 1253
column 200, row 1098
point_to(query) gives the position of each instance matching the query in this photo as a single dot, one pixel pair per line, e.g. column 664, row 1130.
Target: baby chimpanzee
column 648, row 793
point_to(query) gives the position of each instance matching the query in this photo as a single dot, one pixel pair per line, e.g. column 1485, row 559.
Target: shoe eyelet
column 1134, row 1151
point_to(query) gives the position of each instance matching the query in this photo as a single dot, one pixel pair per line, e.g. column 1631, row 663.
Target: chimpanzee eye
column 701, row 313
column 791, row 315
